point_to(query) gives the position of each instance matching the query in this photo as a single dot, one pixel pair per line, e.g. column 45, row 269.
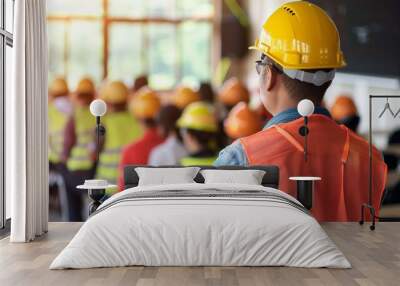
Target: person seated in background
column 121, row 129
column 206, row 92
column 242, row 122
column 289, row 74
column 183, row 96
column 344, row 111
column 232, row 92
column 145, row 107
column 391, row 156
column 79, row 147
column 59, row 110
column 198, row 127
column 139, row 82
column 172, row 150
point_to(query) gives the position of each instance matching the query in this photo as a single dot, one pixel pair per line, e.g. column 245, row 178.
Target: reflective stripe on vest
column 121, row 129
column 199, row 161
column 57, row 121
column 80, row 157
column 336, row 154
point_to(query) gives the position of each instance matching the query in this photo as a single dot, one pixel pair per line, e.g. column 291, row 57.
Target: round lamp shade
column 305, row 107
column 98, row 107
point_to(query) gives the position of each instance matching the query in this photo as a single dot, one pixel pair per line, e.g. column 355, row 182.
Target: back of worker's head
column 184, row 96
column 344, row 111
column 85, row 91
column 115, row 94
column 58, row 88
column 206, row 92
column 167, row 118
column 198, row 125
column 145, row 106
column 300, row 48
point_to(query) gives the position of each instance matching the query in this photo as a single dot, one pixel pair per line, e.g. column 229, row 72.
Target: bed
column 198, row 224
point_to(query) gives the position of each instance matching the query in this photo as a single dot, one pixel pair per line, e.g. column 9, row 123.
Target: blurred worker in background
column 242, row 122
column 206, row 92
column 139, row 82
column 344, row 111
column 172, row 150
column 145, row 107
column 198, row 127
column 79, row 146
column 183, row 96
column 391, row 156
column 59, row 110
column 288, row 74
column 121, row 129
column 232, row 92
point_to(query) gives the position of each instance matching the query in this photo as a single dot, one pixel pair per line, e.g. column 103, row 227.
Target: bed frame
column 270, row 179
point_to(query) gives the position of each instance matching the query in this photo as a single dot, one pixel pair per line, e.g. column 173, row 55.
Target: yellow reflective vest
column 80, row 156
column 197, row 161
column 121, row 129
column 57, row 123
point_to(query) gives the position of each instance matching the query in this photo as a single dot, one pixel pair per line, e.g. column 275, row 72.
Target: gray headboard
column 271, row 177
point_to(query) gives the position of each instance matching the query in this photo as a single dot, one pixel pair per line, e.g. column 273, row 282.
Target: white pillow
column 166, row 176
column 246, row 177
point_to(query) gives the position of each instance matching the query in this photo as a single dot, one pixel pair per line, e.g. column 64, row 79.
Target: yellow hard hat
column 242, row 122
column 145, row 104
column 114, row 92
column 343, row 107
column 184, row 96
column 85, row 86
column 300, row 35
column 199, row 116
column 233, row 92
column 58, row 87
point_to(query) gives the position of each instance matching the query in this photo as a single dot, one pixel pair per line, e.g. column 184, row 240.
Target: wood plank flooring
column 375, row 257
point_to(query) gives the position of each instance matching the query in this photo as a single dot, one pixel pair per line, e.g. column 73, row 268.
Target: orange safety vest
column 335, row 153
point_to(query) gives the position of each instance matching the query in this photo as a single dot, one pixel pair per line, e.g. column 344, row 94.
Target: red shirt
column 138, row 152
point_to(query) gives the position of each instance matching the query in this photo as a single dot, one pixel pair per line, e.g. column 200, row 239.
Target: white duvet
column 206, row 231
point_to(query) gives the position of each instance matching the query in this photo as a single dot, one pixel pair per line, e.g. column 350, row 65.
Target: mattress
column 201, row 225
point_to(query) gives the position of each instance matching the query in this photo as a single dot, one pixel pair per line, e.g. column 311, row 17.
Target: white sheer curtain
column 26, row 120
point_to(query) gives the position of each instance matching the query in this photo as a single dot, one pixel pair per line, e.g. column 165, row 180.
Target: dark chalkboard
column 370, row 34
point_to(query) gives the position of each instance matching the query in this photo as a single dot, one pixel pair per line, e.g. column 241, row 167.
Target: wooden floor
column 375, row 257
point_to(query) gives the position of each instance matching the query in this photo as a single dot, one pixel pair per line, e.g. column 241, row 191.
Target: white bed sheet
column 200, row 232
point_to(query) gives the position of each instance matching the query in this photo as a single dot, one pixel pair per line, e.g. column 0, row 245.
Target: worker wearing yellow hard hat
column 183, row 96
column 121, row 129
column 344, row 111
column 300, row 51
column 242, row 122
column 79, row 146
column 198, row 125
column 59, row 109
column 145, row 107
